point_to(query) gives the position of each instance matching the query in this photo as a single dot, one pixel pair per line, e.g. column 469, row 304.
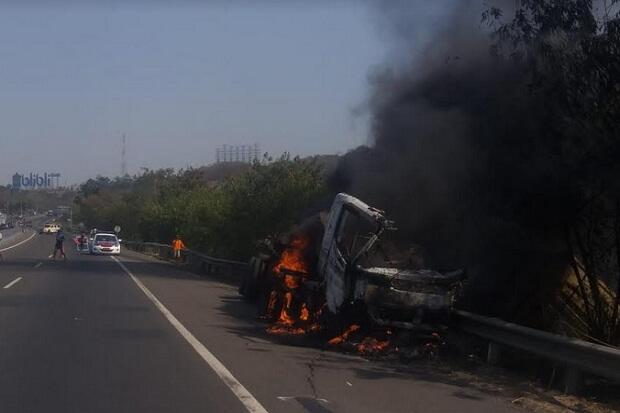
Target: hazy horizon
column 181, row 81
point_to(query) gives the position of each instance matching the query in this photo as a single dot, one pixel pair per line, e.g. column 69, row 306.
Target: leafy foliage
column 223, row 217
column 571, row 56
column 14, row 201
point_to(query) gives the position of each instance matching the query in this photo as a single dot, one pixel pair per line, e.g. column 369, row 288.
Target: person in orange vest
column 177, row 246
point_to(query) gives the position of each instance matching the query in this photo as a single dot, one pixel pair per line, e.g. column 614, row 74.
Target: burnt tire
column 265, row 284
column 249, row 286
column 246, row 279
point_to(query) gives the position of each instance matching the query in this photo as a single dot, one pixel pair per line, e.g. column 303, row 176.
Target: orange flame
column 344, row 336
column 372, row 345
column 273, row 300
column 292, row 258
column 294, row 318
column 291, row 282
column 305, row 314
column 367, row 345
column 285, row 318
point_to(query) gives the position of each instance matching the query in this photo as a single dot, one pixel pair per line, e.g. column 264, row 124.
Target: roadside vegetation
column 543, row 217
column 16, row 201
column 569, row 54
column 222, row 210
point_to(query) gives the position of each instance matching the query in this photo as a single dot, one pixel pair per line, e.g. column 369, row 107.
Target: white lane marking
column 37, row 265
column 12, row 283
column 19, row 243
column 287, row 398
column 245, row 397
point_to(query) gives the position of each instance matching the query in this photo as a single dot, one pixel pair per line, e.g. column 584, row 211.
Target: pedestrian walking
column 60, row 239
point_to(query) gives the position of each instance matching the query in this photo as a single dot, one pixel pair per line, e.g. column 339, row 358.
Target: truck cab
column 357, row 268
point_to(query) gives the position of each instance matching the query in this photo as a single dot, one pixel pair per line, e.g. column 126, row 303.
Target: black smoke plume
column 464, row 157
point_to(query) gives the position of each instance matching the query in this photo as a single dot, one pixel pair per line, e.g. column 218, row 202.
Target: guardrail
column 15, row 239
column 195, row 261
column 576, row 355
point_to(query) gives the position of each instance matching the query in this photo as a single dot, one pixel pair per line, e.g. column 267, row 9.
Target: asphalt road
column 86, row 336
column 9, row 234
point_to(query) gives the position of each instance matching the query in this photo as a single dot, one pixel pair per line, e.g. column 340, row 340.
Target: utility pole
column 123, row 157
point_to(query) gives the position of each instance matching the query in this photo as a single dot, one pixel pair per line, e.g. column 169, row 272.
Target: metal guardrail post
column 195, row 260
column 494, row 353
column 577, row 355
column 573, row 380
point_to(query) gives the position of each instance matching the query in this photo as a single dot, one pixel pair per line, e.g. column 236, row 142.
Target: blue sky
column 181, row 80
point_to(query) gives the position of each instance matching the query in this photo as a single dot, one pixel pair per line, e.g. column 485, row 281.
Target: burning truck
column 345, row 266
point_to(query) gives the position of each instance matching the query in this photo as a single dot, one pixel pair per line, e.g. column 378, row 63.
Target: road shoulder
column 284, row 375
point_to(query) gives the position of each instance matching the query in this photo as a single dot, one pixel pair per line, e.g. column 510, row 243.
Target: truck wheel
column 265, row 285
column 250, row 281
column 245, row 279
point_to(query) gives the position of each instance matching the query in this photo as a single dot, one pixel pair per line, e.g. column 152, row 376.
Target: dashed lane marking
column 12, row 283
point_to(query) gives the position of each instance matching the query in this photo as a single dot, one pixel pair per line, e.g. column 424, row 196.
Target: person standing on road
column 177, row 246
column 82, row 242
column 60, row 239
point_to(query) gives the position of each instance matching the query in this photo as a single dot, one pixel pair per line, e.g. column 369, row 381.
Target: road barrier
column 576, row 355
column 16, row 239
column 193, row 260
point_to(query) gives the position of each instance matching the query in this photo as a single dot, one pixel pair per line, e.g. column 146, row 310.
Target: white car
column 105, row 244
column 51, row 228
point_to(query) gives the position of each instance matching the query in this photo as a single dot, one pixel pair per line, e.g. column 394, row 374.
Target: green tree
column 571, row 56
column 223, row 218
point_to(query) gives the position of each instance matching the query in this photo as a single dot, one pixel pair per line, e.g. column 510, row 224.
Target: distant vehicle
column 104, row 243
column 51, row 228
column 50, row 213
column 7, row 224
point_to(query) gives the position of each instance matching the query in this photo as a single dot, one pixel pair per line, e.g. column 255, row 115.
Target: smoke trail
column 463, row 156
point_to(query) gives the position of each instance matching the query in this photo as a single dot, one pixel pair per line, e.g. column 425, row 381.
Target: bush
column 223, row 218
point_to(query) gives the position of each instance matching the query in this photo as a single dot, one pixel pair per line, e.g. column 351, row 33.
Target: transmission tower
column 124, row 156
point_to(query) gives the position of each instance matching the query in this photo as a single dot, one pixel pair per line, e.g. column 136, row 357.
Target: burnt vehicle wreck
column 345, row 265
